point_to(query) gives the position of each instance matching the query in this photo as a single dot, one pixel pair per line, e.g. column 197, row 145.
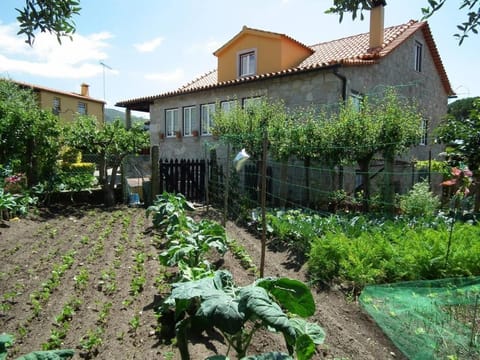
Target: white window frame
column 251, row 101
column 171, row 122
column 228, row 105
column 424, row 135
column 206, row 118
column 247, row 62
column 188, row 120
column 418, row 56
column 82, row 108
column 357, row 99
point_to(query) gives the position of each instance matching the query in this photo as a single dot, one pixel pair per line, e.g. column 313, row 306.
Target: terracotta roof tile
column 204, row 80
column 348, row 51
column 60, row 92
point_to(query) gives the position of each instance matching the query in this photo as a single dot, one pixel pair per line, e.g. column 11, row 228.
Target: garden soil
column 112, row 248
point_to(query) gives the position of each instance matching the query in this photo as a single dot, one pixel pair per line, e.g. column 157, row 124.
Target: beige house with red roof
column 258, row 63
column 67, row 105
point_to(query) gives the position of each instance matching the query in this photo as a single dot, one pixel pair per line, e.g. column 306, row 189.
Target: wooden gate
column 186, row 177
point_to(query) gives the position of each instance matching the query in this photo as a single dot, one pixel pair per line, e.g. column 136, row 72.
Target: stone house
column 257, row 63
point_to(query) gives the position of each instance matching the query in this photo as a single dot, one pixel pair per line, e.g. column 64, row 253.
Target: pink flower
column 462, row 177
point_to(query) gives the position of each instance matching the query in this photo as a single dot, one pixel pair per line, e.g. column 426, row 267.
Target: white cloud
column 80, row 71
column 150, row 45
column 207, row 47
column 77, row 58
column 170, row 77
column 9, row 42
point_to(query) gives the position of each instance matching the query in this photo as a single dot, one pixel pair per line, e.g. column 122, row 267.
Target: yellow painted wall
column 69, row 105
column 274, row 52
column 293, row 53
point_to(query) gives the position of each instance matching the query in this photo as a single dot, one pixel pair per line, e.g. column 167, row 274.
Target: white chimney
column 377, row 23
column 84, row 90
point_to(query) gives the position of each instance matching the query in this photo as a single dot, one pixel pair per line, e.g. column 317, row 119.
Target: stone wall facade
column 319, row 87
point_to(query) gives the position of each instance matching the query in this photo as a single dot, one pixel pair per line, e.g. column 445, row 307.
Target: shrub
column 79, row 167
column 395, row 252
column 419, row 201
column 70, row 155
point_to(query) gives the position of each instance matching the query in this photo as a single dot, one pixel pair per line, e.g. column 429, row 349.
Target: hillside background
column 112, row 114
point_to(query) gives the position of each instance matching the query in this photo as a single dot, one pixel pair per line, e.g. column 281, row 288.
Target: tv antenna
column 108, row 67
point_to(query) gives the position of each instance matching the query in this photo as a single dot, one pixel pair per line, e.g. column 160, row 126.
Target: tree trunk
column 108, row 191
column 340, row 177
column 32, row 169
column 364, row 166
column 108, row 196
column 388, row 191
column 476, row 191
column 283, row 183
column 306, row 190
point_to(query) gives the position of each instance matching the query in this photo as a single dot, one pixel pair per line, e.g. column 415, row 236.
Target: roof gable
column 256, row 32
column 271, row 52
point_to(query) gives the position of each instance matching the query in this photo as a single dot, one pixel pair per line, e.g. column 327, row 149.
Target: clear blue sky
column 154, row 46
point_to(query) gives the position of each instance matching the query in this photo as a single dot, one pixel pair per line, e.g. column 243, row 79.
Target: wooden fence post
column 226, row 187
column 155, row 181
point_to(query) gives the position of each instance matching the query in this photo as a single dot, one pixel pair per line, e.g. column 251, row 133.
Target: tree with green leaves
column 28, row 134
column 460, row 132
column 387, row 125
column 248, row 128
column 243, row 127
column 357, row 132
column 309, row 140
column 53, row 16
column 110, row 142
column 401, row 127
column 471, row 7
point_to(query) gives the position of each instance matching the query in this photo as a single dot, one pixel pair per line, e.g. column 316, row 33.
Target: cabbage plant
column 276, row 304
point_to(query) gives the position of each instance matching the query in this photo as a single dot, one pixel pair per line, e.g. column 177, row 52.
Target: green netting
column 438, row 319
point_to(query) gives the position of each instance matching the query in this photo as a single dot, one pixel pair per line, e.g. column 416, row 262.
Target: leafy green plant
column 238, row 312
column 187, row 241
column 66, row 314
column 107, row 282
column 294, row 229
column 462, row 179
column 134, row 323
column 104, row 312
column 190, row 247
column 419, row 201
column 75, row 182
column 56, row 338
column 7, row 204
column 81, row 279
column 7, row 340
column 168, row 211
column 190, row 273
column 394, row 251
column 91, row 341
column 136, row 284
column 241, row 254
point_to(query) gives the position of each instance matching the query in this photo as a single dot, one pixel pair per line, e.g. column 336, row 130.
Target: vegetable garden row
column 194, row 294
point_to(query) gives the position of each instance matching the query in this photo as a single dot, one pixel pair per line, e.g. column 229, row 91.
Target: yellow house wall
column 273, row 53
column 69, row 105
column 292, row 53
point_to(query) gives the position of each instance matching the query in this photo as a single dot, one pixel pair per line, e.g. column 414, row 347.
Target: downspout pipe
column 344, row 83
